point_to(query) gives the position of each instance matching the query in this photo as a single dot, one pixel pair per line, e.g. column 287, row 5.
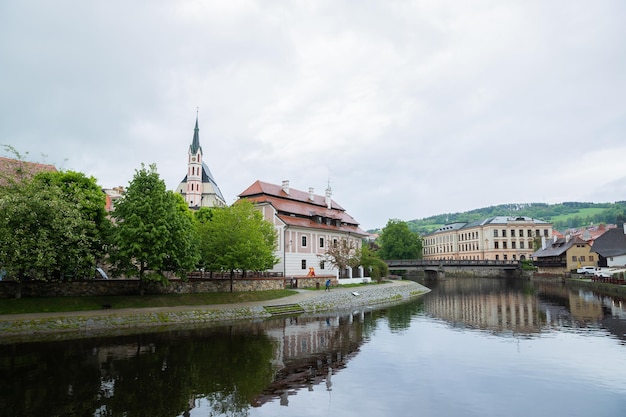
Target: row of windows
column 468, row 247
column 304, row 242
column 195, row 171
column 496, row 245
column 303, row 264
column 529, row 233
column 582, row 258
column 475, row 235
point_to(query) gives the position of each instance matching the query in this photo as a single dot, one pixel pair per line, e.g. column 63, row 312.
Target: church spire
column 195, row 144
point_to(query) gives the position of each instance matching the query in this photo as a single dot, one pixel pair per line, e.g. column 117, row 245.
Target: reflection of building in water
column 497, row 311
column 585, row 306
column 308, row 351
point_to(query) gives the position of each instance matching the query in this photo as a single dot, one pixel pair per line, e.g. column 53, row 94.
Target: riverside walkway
column 91, row 323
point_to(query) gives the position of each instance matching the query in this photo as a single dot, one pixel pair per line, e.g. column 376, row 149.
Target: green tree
column 237, row 238
column 377, row 267
column 208, row 258
column 153, row 231
column 397, row 241
column 44, row 235
column 84, row 193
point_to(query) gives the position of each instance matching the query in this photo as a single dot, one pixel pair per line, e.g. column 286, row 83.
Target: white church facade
column 199, row 187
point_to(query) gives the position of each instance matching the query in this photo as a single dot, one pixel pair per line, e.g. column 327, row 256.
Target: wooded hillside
column 563, row 216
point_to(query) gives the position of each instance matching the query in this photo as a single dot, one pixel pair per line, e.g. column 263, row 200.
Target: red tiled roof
column 297, row 209
column 13, row 168
column 260, row 187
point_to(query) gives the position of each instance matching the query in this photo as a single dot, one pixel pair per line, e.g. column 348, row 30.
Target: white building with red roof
column 306, row 224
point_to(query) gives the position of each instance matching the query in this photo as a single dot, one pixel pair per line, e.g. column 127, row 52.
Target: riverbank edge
column 52, row 326
column 603, row 288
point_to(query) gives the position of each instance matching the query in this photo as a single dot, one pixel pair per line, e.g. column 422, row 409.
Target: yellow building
column 498, row 238
column 558, row 256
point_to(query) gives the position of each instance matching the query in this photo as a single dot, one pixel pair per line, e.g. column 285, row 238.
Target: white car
column 604, row 273
column 586, row 270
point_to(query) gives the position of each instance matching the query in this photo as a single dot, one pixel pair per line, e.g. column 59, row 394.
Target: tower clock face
column 193, row 159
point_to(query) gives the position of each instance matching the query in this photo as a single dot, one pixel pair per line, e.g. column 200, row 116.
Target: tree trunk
column 141, row 270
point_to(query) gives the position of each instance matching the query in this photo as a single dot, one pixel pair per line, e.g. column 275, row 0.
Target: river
column 471, row 347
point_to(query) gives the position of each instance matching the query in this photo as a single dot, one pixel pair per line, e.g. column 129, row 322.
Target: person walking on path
column 327, row 285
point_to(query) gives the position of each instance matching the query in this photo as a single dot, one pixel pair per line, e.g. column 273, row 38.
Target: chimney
column 554, row 238
column 567, row 237
column 329, row 203
column 311, row 195
column 286, row 186
column 543, row 243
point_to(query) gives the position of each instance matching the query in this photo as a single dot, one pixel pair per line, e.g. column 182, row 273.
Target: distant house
column 18, row 170
column 199, row 188
column 307, row 225
column 611, row 247
column 561, row 255
column 112, row 196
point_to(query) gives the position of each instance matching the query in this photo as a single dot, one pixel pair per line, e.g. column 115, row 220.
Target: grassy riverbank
column 63, row 304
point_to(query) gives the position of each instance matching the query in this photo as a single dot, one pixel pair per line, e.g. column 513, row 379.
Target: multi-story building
column 199, row 187
column 498, row 238
column 560, row 255
column 307, row 225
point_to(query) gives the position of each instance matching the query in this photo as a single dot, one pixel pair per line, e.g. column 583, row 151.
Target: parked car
column 603, row 273
column 587, row 270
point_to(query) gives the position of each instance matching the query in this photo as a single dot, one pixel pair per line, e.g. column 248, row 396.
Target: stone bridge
column 441, row 267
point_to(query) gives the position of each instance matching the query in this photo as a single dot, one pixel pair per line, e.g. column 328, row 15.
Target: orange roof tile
column 298, row 209
column 14, row 168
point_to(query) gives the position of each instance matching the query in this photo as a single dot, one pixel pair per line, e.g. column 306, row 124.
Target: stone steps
column 284, row 309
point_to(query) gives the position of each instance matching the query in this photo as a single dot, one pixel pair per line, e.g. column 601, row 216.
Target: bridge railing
column 394, row 263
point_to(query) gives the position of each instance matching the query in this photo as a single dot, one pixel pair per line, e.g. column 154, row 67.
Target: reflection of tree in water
column 160, row 374
column 222, row 370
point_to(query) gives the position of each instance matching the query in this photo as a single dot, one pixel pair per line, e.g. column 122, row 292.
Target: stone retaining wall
column 9, row 289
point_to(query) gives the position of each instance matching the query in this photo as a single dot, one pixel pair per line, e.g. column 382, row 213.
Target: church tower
column 199, row 187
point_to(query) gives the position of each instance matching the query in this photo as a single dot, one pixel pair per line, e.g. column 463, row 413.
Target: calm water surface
column 472, row 347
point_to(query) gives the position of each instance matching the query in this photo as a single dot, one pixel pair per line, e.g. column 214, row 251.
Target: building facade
column 611, row 247
column 561, row 255
column 500, row 238
column 199, row 187
column 307, row 225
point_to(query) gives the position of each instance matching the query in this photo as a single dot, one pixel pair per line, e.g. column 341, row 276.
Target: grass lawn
column 585, row 212
column 58, row 304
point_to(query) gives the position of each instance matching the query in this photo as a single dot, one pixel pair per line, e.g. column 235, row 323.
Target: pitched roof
column 558, row 248
column 207, row 177
column 16, row 169
column 297, row 208
column 195, row 143
column 611, row 243
column 505, row 220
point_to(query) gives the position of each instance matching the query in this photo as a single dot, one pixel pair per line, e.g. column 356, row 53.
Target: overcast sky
column 408, row 108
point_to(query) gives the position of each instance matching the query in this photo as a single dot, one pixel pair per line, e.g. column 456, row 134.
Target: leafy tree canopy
column 52, row 226
column 397, row 241
column 237, row 238
column 153, row 228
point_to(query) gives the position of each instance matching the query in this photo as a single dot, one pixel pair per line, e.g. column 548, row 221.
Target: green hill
column 563, row 216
